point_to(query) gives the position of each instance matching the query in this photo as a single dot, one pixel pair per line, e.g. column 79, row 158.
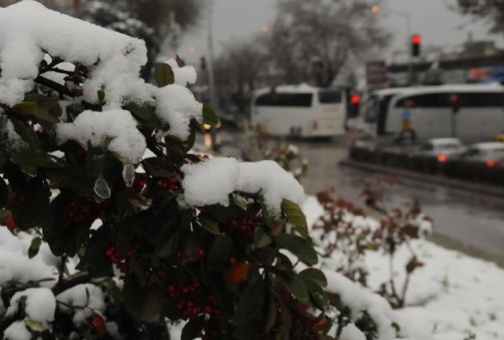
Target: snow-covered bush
column 115, row 228
column 345, row 235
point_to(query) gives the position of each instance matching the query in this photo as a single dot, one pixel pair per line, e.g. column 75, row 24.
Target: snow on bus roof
column 493, row 87
column 444, row 141
column 300, row 88
column 489, row 146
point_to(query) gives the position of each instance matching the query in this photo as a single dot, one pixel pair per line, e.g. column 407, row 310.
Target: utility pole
column 211, row 75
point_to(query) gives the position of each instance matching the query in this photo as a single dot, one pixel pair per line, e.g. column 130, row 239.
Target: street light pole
column 211, row 75
column 376, row 9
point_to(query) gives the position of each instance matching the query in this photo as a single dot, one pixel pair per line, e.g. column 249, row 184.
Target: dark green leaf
column 210, row 226
column 27, row 108
column 251, row 305
column 314, row 275
column 209, row 116
column 163, row 74
column 296, row 217
column 299, row 247
column 4, row 193
column 134, row 295
column 101, row 96
column 34, row 247
column 193, row 328
column 261, row 238
column 298, row 289
column 220, row 252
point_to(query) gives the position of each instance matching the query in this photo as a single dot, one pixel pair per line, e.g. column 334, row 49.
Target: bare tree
column 239, row 68
column 490, row 10
column 312, row 40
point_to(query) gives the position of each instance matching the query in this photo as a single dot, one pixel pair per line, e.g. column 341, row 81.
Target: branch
column 59, row 288
column 62, row 90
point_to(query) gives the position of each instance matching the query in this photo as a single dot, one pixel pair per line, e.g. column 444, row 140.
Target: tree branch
column 59, row 288
column 62, row 90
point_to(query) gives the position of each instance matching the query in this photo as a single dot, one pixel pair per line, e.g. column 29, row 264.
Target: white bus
column 468, row 112
column 300, row 110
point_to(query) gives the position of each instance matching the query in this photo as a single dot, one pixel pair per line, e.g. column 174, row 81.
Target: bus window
column 430, row 100
column 330, row 97
column 285, row 99
column 482, row 99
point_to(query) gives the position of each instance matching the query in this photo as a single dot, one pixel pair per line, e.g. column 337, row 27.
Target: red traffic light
column 416, row 39
column 355, row 99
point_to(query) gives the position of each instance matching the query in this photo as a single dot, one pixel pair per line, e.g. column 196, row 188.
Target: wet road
column 464, row 221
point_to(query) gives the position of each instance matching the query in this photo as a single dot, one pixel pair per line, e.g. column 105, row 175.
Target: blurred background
column 356, row 89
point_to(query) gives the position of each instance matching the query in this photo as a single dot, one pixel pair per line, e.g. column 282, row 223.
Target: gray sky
column 237, row 19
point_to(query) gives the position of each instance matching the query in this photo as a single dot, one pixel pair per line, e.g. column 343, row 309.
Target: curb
column 472, row 188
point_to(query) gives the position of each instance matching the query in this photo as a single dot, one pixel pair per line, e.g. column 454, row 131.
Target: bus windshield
column 330, row 97
column 285, row 99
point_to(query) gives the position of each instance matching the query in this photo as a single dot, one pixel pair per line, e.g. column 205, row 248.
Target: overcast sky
column 239, row 19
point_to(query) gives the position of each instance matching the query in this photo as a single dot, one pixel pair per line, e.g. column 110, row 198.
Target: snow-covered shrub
column 115, row 228
column 345, row 235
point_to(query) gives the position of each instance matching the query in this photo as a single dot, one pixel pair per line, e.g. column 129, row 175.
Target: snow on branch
column 211, row 182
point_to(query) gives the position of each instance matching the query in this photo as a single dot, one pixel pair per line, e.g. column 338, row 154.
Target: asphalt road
column 463, row 220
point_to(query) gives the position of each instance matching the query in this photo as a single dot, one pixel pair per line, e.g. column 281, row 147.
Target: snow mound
column 24, row 33
column 17, row 331
column 210, row 182
column 183, row 75
column 116, row 129
column 87, row 295
column 176, row 106
column 35, row 298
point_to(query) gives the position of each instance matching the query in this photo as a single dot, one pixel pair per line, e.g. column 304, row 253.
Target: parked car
column 432, row 155
column 481, row 161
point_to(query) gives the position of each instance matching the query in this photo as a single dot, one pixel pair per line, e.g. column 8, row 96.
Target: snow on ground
column 454, row 295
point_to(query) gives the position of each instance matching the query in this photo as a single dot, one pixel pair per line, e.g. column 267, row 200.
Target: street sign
column 376, row 74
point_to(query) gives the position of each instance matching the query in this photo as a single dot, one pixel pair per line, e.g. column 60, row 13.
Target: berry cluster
column 99, row 325
column 171, row 183
column 191, row 299
column 85, row 209
column 244, row 225
column 121, row 260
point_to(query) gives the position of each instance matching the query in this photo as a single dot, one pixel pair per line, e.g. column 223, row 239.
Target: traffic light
column 355, row 100
column 416, row 41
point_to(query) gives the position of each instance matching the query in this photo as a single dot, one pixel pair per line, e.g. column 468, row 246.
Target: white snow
column 15, row 264
column 25, row 32
column 451, row 297
column 17, row 331
column 351, row 332
column 183, row 75
column 176, row 106
column 211, row 181
column 115, row 129
column 83, row 307
column 40, row 305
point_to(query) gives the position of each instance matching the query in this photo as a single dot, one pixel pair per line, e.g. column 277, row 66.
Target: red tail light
column 442, row 158
column 491, row 163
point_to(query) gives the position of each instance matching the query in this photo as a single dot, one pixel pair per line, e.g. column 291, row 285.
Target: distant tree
column 490, row 10
column 312, row 40
column 239, row 68
column 149, row 20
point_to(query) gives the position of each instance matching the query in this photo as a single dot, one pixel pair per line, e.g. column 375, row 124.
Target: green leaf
column 210, row 226
column 209, row 116
column 261, row 238
column 134, row 295
column 251, row 303
column 299, row 247
column 45, row 115
column 219, row 253
column 27, row 108
column 26, row 133
column 31, row 204
column 4, row 193
column 298, row 289
column 163, row 74
column 193, row 328
column 168, row 241
column 34, row 247
column 315, row 275
column 101, row 96
column 272, row 314
column 296, row 217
